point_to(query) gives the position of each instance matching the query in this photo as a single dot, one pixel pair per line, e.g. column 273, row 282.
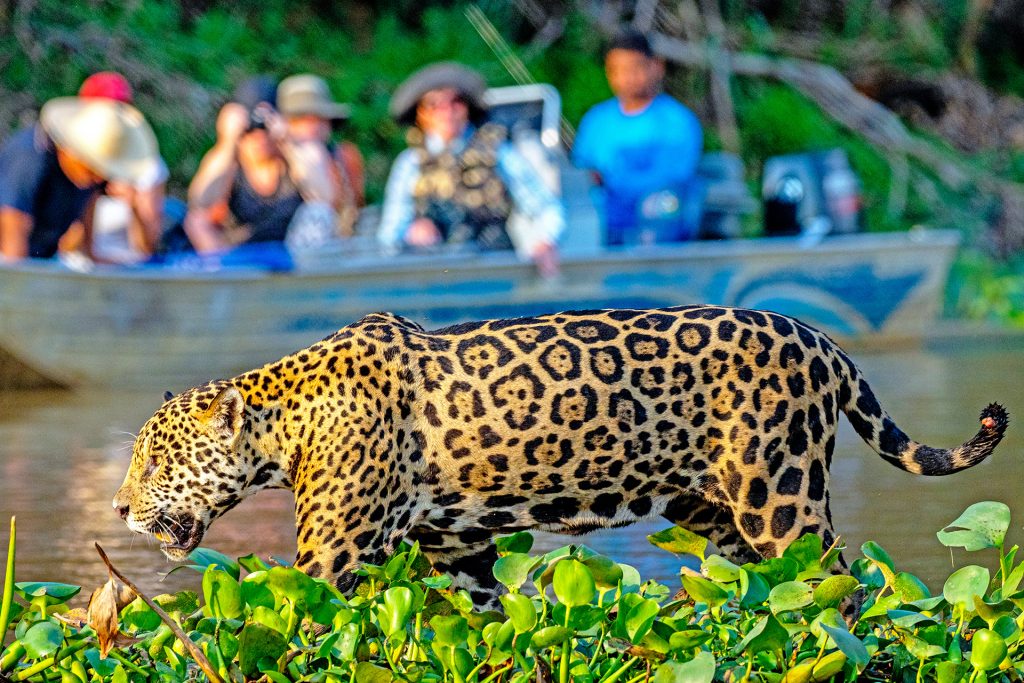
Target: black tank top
column 267, row 217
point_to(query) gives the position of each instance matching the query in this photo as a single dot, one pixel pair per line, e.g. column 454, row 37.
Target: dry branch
column 192, row 648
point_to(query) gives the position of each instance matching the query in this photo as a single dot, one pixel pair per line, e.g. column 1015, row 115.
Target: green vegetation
column 184, row 57
column 568, row 615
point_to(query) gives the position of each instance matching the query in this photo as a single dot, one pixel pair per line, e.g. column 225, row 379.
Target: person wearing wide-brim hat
column 460, row 180
column 51, row 172
column 311, row 115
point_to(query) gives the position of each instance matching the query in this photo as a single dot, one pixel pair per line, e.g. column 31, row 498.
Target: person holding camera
column 254, row 180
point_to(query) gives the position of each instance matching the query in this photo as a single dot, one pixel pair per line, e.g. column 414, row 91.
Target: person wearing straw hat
column 460, row 179
column 311, row 115
column 128, row 219
column 51, row 173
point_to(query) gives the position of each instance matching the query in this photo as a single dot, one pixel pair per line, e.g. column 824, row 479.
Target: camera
column 257, row 120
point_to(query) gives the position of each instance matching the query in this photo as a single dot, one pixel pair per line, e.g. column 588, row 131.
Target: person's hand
column 121, row 190
column 277, row 128
column 422, row 233
column 545, row 257
column 232, row 122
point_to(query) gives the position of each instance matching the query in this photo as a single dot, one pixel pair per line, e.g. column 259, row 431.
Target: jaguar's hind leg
column 715, row 523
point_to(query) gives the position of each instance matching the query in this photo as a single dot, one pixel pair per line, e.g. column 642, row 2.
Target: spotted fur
column 719, row 419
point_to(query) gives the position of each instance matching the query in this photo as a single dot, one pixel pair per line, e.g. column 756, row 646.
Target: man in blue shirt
column 643, row 147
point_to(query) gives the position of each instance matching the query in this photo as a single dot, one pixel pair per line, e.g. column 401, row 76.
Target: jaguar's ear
column 223, row 418
column 168, row 395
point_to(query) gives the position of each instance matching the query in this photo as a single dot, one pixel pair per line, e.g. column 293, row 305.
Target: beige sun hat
column 469, row 83
column 305, row 94
column 112, row 138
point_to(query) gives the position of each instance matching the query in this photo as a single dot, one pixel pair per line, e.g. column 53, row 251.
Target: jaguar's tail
column 879, row 430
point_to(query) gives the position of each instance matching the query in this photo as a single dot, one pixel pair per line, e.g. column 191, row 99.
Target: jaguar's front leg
column 347, row 523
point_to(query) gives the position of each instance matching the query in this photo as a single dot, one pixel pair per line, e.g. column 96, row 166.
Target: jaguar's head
column 186, row 468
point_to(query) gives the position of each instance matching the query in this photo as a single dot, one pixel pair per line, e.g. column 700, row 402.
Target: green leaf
column 451, row 630
column 965, row 583
column 832, row 591
column 910, row 588
column 982, row 525
column 792, row 595
column 252, row 563
column 513, row 569
column 222, row 593
column 573, row 583
column 753, row 589
column 775, row 570
column 921, row 649
column 270, row 619
column 806, row 552
column 700, row 669
column 256, row 592
column 877, row 554
column 767, row 635
column 290, row 583
column 438, row 583
column 42, row 640
column 395, row 612
column 51, row 592
column 204, row 558
column 549, row 636
column 719, row 569
column 850, row 645
column 680, row 541
column 255, row 642
column 637, row 620
column 606, row 572
column 520, row 610
column 702, row 590
column 519, row 542
column 139, row 616
column 988, row 649
column 688, row 639
column 371, row 673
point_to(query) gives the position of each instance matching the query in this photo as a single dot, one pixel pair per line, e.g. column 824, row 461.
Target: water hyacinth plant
column 568, row 615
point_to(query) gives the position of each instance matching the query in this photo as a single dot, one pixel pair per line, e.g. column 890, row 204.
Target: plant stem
column 498, row 672
column 46, row 664
column 563, row 665
column 8, row 598
column 617, row 674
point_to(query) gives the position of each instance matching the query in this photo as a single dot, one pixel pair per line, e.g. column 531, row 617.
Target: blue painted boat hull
column 172, row 328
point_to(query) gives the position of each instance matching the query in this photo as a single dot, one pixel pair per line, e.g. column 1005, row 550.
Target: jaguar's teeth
column 162, row 536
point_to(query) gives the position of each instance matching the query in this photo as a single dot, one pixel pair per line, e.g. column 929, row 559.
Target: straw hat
column 466, row 81
column 112, row 138
column 307, row 94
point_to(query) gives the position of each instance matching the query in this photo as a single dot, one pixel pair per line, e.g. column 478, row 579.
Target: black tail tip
column 994, row 418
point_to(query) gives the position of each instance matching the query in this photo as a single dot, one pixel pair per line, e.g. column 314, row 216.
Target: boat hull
column 149, row 327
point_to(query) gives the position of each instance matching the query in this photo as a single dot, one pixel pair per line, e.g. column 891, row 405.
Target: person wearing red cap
column 51, row 173
column 127, row 219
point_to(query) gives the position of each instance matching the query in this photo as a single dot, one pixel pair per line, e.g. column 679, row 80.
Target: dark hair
column 631, row 40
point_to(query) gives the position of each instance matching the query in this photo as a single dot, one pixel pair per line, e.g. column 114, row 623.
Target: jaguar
column 722, row 420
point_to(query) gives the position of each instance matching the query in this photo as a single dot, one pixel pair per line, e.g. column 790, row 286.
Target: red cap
column 107, row 84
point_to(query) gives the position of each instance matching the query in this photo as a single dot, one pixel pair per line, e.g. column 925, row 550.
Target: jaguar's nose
column 121, row 510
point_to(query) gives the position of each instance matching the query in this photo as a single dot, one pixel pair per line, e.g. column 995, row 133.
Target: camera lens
column 256, row 120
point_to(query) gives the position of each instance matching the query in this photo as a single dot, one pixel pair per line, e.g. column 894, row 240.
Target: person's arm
column 216, row 172
column 351, row 160
column 532, row 198
column 147, row 219
column 15, row 228
column 397, row 211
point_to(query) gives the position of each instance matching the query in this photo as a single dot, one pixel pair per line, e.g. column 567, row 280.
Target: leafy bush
column 569, row 614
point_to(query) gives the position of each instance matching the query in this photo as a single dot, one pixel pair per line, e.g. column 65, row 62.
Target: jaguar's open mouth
column 178, row 534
